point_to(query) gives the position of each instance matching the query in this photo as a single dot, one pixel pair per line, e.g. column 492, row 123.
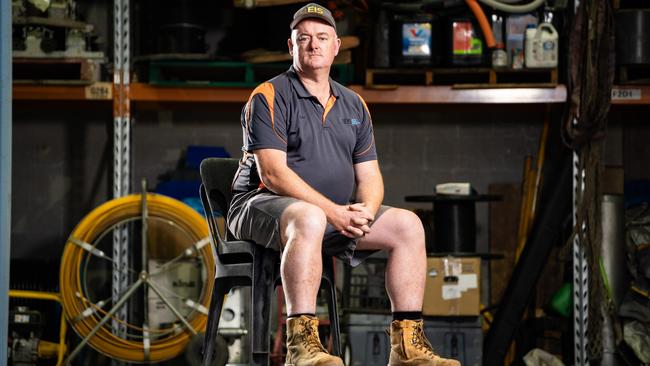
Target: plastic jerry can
column 542, row 46
column 466, row 43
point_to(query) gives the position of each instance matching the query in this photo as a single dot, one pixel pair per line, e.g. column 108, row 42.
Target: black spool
column 454, row 221
column 633, row 37
column 455, row 226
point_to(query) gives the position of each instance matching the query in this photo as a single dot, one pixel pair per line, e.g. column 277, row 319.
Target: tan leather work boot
column 303, row 344
column 410, row 347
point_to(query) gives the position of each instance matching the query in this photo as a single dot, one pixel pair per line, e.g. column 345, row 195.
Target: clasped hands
column 353, row 220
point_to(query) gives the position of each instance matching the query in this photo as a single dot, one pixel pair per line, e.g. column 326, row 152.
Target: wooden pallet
column 56, row 70
column 225, row 74
column 634, row 74
column 462, row 77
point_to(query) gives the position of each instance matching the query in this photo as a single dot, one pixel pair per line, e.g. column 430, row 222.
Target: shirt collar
column 302, row 91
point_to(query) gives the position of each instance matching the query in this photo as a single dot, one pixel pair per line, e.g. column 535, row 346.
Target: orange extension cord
column 483, row 22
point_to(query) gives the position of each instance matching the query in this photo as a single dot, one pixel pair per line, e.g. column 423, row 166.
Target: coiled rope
column 84, row 313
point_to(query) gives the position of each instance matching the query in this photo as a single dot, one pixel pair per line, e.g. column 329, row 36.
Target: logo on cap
column 315, row 9
column 312, row 11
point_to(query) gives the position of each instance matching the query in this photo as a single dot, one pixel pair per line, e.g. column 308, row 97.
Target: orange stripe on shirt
column 328, row 107
column 372, row 142
column 268, row 91
column 365, row 106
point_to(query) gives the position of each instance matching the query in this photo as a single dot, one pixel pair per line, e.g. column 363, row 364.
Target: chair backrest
column 216, row 178
column 217, row 175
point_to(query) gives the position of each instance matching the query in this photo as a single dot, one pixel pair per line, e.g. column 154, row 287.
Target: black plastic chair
column 244, row 263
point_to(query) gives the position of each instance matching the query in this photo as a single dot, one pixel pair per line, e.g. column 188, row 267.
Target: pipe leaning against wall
column 5, row 170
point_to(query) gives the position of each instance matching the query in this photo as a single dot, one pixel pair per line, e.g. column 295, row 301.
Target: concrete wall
column 58, row 175
column 62, row 155
column 418, row 147
column 61, row 163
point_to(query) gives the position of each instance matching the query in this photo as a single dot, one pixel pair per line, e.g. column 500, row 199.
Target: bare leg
column 401, row 234
column 301, row 227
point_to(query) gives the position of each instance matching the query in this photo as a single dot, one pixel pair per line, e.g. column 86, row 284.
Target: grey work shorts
column 255, row 216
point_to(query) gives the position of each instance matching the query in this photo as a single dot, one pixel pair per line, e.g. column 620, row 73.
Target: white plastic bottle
column 499, row 54
column 541, row 50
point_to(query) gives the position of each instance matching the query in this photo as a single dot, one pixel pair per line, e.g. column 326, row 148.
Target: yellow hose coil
column 75, row 301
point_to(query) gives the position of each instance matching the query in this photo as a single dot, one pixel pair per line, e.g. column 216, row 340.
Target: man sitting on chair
column 308, row 149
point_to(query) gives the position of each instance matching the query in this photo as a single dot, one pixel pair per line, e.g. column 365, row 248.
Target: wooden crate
column 56, row 70
column 476, row 77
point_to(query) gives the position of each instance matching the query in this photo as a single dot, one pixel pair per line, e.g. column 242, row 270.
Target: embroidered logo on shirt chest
column 351, row 121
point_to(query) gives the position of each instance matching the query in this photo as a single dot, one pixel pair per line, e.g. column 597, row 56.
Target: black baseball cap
column 312, row 10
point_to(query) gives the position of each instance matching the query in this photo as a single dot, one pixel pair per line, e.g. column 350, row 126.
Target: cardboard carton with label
column 452, row 286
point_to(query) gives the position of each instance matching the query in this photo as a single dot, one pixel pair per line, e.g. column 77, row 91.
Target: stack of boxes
column 452, row 308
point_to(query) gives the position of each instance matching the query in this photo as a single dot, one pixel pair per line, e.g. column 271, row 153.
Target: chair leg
column 220, row 289
column 262, row 295
column 260, row 359
column 328, row 280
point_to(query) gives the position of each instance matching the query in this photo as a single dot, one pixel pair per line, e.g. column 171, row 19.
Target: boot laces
column 310, row 339
column 420, row 341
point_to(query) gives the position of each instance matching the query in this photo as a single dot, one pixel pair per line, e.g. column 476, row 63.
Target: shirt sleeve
column 364, row 149
column 263, row 127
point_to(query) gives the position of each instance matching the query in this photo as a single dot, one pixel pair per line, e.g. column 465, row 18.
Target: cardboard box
column 452, row 286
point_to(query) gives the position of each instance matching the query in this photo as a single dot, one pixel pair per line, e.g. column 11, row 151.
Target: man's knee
column 304, row 218
column 408, row 224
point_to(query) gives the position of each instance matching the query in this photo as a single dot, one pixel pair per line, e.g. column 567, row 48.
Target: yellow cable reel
column 83, row 257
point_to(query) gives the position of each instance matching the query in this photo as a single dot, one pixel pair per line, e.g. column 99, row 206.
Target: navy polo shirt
column 322, row 142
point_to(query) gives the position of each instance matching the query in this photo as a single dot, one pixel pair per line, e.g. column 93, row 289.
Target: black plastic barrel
column 455, row 226
column 182, row 26
column 633, row 37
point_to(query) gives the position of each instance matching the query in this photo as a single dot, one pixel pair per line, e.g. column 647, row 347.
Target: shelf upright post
column 580, row 262
column 121, row 153
column 580, row 270
column 5, row 170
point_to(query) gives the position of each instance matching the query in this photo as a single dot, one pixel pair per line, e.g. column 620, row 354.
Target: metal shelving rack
column 121, row 152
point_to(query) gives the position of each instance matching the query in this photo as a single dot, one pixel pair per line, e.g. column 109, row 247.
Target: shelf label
column 626, row 94
column 99, row 91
